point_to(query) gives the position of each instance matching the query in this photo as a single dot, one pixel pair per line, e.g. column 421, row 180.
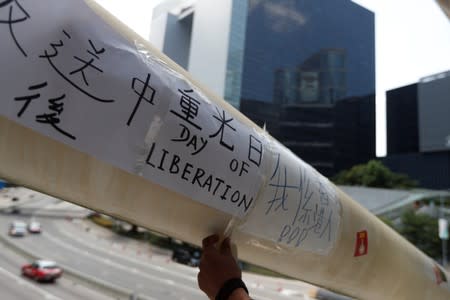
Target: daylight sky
column 412, row 41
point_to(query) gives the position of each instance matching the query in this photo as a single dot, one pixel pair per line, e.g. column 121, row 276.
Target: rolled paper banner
column 93, row 114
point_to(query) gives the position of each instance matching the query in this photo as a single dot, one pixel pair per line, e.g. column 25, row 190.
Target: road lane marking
column 134, row 261
column 192, row 278
column 119, row 266
column 164, row 281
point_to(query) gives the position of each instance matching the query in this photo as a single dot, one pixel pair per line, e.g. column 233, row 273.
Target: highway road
column 150, row 280
column 146, row 273
column 14, row 287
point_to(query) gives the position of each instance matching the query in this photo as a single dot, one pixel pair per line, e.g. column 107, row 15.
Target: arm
column 217, row 267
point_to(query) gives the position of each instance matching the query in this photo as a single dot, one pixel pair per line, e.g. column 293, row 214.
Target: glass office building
column 316, row 61
column 236, row 48
column 289, row 52
column 418, row 131
column 301, row 51
column 300, row 57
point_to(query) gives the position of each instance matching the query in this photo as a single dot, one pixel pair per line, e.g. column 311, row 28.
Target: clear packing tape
column 93, row 114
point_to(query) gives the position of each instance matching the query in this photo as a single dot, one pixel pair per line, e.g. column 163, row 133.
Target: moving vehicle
column 187, row 256
column 14, row 210
column 42, row 270
column 17, row 228
column 182, row 256
column 34, row 227
column 195, row 258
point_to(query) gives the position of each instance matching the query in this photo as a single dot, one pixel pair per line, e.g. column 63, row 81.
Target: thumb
column 225, row 247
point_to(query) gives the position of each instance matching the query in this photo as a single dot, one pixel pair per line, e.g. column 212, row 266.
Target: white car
column 17, row 228
column 34, row 227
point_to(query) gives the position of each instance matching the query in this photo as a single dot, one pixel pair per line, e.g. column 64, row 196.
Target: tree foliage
column 373, row 174
column 422, row 231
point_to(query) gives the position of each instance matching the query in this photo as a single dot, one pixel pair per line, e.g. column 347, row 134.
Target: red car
column 42, row 270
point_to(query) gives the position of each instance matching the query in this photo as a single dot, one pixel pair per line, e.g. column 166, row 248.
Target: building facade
column 402, row 120
column 418, row 131
column 300, row 57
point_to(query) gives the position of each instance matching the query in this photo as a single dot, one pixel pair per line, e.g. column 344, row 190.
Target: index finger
column 210, row 241
column 225, row 248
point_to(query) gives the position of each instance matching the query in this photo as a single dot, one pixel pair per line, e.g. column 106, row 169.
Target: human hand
column 217, row 265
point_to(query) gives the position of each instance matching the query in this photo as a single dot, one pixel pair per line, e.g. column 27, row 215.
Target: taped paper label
column 68, row 75
column 299, row 207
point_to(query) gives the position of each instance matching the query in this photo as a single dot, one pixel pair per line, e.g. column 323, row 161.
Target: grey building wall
column 434, row 113
column 208, row 56
column 177, row 40
column 418, row 129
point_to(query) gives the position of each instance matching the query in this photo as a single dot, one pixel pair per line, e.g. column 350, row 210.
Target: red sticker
column 362, row 243
column 439, row 274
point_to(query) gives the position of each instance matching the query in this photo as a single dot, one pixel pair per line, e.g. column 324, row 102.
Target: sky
column 412, row 40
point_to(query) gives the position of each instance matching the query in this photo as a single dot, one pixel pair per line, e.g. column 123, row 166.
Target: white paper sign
column 68, row 75
column 299, row 207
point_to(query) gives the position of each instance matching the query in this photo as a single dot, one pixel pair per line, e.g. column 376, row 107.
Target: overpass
column 108, row 151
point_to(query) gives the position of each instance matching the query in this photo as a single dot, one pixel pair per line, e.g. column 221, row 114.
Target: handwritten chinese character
column 56, row 107
column 314, row 212
column 305, row 193
column 255, row 150
column 223, row 122
column 323, row 194
column 16, row 14
column 325, row 212
column 52, row 118
column 94, row 53
column 189, row 108
column 280, row 186
column 29, row 98
column 88, row 64
column 145, row 92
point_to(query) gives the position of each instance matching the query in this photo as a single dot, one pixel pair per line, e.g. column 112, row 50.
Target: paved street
column 13, row 286
column 120, row 261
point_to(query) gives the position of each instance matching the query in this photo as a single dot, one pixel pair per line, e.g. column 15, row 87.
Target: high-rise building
column 402, row 120
column 330, row 137
column 321, row 78
column 434, row 112
column 354, row 131
column 305, row 51
column 301, row 57
column 264, row 114
column 418, row 131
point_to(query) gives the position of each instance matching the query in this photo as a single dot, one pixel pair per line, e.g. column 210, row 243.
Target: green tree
column 422, row 231
column 373, row 174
